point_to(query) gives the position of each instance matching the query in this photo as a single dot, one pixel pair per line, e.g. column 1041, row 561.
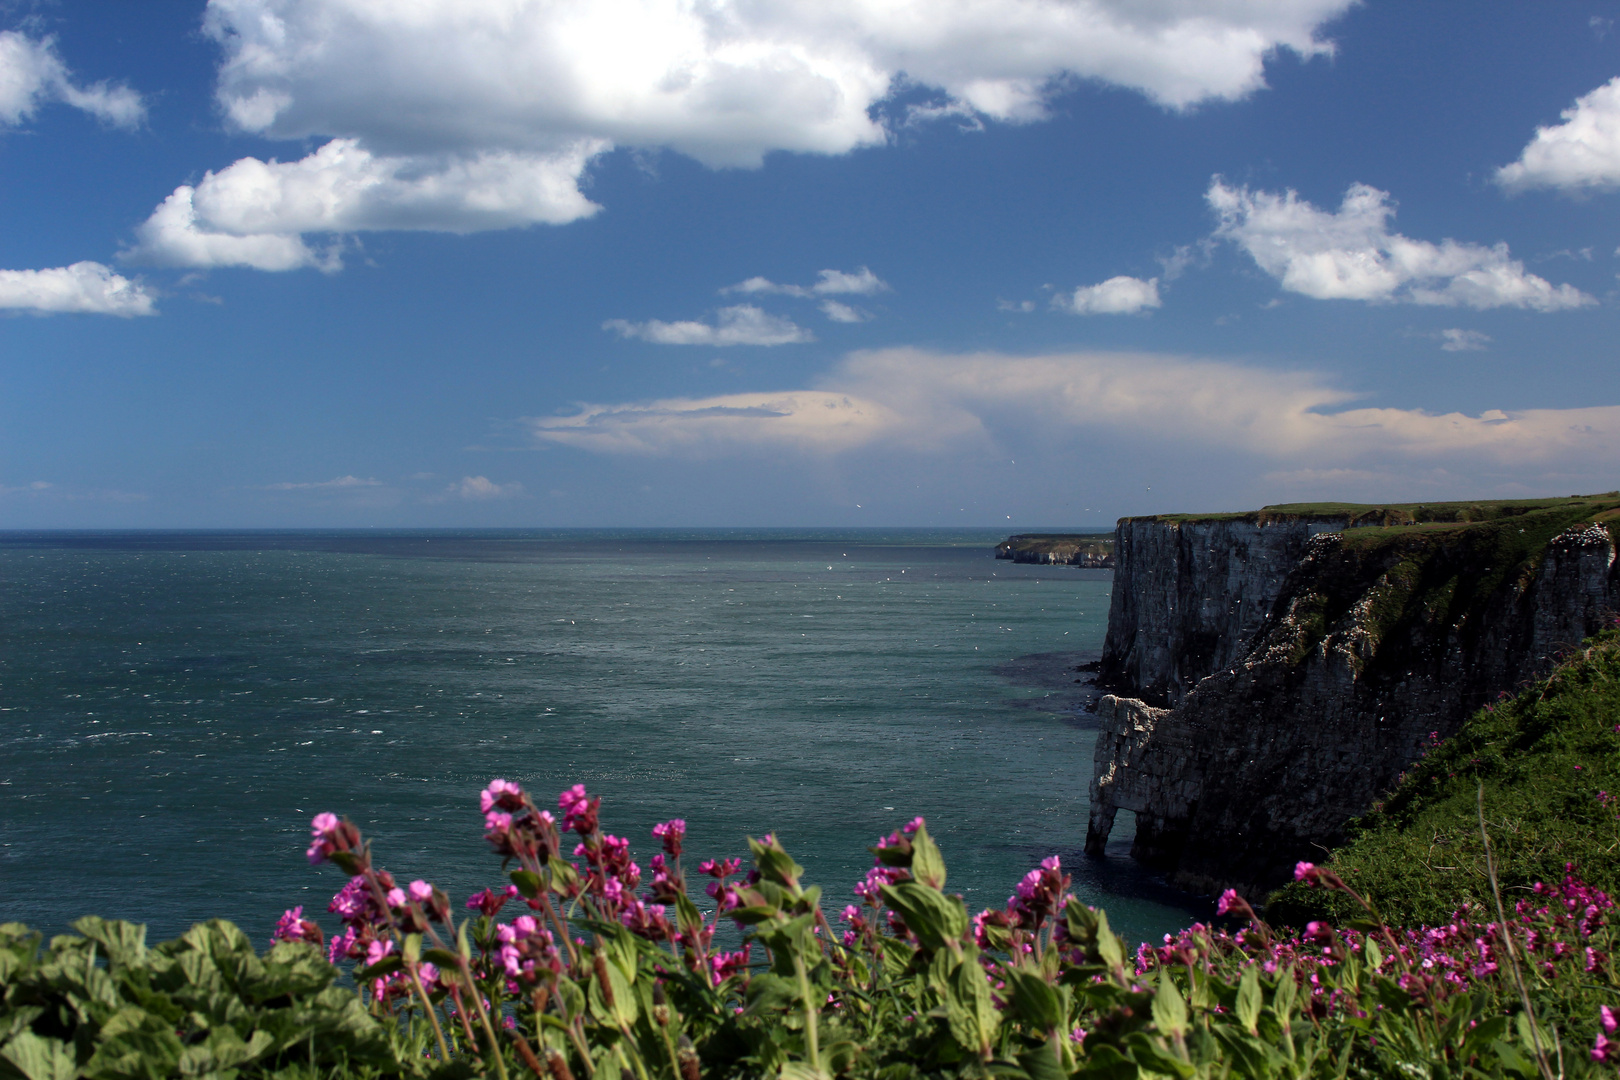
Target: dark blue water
column 175, row 707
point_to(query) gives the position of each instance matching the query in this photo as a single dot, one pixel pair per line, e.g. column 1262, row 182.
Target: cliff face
column 1189, row 594
column 1296, row 708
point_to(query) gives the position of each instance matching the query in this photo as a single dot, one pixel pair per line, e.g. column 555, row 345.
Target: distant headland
column 1093, row 551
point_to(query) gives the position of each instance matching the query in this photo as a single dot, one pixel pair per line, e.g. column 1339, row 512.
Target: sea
column 176, row 706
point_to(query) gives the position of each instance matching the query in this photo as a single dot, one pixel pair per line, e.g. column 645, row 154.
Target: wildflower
column 579, row 810
column 671, row 832
column 396, row 898
column 328, row 835
column 342, row 946
column 501, row 794
column 910, row 828
column 292, row 926
column 1305, row 872
column 1228, row 900
column 722, row 868
column 421, row 891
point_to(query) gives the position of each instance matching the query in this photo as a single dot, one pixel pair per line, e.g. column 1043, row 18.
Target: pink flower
column 525, row 926
column 1608, row 1018
column 341, row 946
column 396, row 898
column 720, row 868
column 579, row 810
column 1228, row 898
column 322, row 831
column 671, row 832
column 500, row 793
column 1306, row 872
column 912, row 826
column 421, row 891
column 292, row 926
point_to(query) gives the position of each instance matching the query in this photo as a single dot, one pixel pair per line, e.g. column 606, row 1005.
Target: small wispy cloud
column 843, row 312
column 860, row 282
column 741, row 324
column 1117, row 296
column 338, row 483
column 482, row 489
column 1455, row 340
column 31, row 74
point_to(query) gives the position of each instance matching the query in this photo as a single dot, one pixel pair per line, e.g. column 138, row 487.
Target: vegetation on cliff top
column 1361, row 515
column 1549, row 761
column 1407, row 589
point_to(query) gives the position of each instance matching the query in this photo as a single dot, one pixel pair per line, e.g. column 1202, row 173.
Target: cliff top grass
column 1048, row 541
column 1549, row 761
column 1361, row 515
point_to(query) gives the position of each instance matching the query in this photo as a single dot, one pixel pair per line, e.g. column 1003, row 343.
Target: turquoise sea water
column 174, row 707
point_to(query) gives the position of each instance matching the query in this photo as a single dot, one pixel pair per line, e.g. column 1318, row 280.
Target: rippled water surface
column 174, row 707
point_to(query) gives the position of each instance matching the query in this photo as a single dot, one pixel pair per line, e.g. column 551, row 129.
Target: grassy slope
column 1543, row 757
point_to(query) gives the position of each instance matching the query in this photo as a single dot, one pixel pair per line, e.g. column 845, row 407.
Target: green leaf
column 1042, row 1064
column 40, row 1059
column 934, row 917
column 413, row 947
column 769, row 993
column 969, row 1009
column 442, row 957
column 799, row 1070
column 528, row 883
column 750, row 916
column 125, row 943
column 1036, row 1001
column 1153, row 1058
column 1169, row 1009
column 687, row 913
column 564, row 878
column 927, row 864
column 1110, row 946
column 775, row 864
column 1375, row 955
column 1106, row 1063
column 386, row 966
column 1249, row 1000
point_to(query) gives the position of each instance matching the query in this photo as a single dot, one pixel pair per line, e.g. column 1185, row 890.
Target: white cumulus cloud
column 1582, row 152
column 256, row 213
column 1117, row 296
column 741, row 324
column 462, row 115
column 724, row 81
column 84, row 287
column 1351, row 254
column 31, row 74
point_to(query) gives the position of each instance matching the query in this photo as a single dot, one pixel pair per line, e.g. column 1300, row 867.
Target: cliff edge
column 1272, row 673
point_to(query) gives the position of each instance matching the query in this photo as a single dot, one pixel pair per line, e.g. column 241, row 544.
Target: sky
column 956, row 263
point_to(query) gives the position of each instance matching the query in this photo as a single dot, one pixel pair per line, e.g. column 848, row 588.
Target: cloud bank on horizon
column 926, row 403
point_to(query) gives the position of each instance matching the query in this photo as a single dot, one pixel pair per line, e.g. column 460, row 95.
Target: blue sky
column 638, row 262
